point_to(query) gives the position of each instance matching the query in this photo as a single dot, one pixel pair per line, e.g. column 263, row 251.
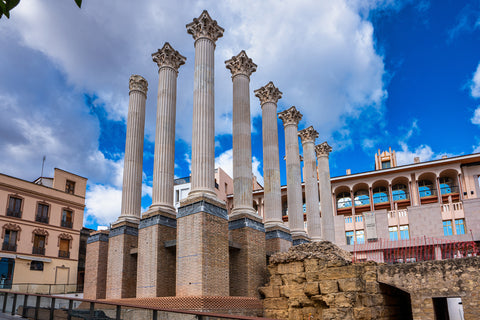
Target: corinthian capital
column 138, row 83
column 268, row 93
column 205, row 27
column 308, row 135
column 168, row 57
column 323, row 149
column 290, row 116
column 241, row 64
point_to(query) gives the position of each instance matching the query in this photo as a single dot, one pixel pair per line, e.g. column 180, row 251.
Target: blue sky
column 365, row 74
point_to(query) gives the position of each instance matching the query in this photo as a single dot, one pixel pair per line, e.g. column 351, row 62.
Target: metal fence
column 46, row 307
column 413, row 250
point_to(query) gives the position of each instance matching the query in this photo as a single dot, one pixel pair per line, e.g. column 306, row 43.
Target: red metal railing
column 413, row 250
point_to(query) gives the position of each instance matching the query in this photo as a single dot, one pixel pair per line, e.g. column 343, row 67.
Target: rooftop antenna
column 41, row 175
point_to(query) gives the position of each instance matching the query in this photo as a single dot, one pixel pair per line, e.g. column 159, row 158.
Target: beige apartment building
column 40, row 225
column 420, row 205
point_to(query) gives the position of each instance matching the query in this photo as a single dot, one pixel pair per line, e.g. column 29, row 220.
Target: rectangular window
column 404, row 234
column 348, row 220
column 38, row 244
column 349, row 235
column 42, row 213
column 393, row 232
column 447, row 228
column 70, row 187
column 460, row 226
column 386, row 164
column 64, row 249
column 360, row 236
column 36, row 265
column 67, row 218
column 358, row 218
column 10, row 240
column 14, row 207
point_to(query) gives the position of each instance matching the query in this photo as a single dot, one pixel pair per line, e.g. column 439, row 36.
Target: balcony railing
column 449, row 189
column 399, row 196
column 37, row 250
column 67, row 224
column 13, row 213
column 427, row 192
column 9, row 247
column 63, row 254
column 41, row 219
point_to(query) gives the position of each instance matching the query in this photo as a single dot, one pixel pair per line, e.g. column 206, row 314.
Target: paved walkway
column 8, row 316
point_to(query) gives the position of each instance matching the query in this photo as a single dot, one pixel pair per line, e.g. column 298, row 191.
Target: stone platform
column 245, row 306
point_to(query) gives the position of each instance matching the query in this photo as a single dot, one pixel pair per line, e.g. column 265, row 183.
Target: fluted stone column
column 248, row 265
column 121, row 265
column 202, row 220
column 277, row 234
column 326, row 206
column 241, row 67
column 205, row 32
column 314, row 227
column 132, row 168
column 291, row 117
column 168, row 61
column 156, row 263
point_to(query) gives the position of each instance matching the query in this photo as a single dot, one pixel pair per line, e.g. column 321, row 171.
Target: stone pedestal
column 156, row 259
column 202, row 248
column 247, row 263
column 122, row 260
column 96, row 266
column 278, row 239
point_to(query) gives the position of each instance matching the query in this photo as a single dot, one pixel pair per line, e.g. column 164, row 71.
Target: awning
column 34, row 258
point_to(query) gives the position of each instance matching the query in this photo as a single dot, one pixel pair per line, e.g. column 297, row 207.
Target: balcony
column 452, row 210
column 12, row 213
column 67, row 224
column 9, row 247
column 398, row 217
column 63, row 254
column 354, row 222
column 41, row 219
column 40, row 251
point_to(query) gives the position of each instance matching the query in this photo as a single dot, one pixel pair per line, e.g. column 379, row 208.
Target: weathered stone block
column 292, row 267
column 328, row 286
column 275, row 303
column 311, row 288
column 362, row 313
column 350, row 285
column 292, row 291
column 311, row 265
column 294, row 278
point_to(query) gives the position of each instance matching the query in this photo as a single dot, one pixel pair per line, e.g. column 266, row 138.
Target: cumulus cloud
column 406, row 156
column 103, row 204
column 475, row 84
column 476, row 116
column 225, row 161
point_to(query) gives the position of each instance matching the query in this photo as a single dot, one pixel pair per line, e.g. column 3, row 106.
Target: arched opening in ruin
column 397, row 301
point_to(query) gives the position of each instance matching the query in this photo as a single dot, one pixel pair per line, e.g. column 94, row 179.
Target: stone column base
column 96, row 266
column 122, row 261
column 156, row 262
column 299, row 239
column 278, row 239
column 202, row 248
column 248, row 264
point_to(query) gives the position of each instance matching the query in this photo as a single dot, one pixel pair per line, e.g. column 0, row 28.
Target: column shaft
column 294, row 182
column 271, row 165
column 311, row 191
column 203, row 131
column 328, row 227
column 132, row 172
column 164, row 163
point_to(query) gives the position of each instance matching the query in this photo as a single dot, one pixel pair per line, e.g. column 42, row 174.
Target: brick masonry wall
column 121, row 267
column 156, row 263
column 96, row 270
column 202, row 255
column 248, row 264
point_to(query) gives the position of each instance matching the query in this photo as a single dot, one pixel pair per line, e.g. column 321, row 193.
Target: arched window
column 362, row 198
column 399, row 192
column 344, row 200
column 380, row 195
column 425, row 188
column 446, row 185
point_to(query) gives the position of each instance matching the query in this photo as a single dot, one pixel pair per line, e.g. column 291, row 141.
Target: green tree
column 7, row 5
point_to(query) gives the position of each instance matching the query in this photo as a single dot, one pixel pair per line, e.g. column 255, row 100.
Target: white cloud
column 103, row 204
column 406, row 156
column 256, row 170
column 475, row 84
column 476, row 116
column 225, row 161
